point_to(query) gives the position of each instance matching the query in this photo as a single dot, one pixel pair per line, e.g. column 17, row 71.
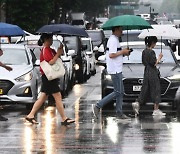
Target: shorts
column 49, row 87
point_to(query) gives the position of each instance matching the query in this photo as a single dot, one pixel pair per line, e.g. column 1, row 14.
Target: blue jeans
column 117, row 93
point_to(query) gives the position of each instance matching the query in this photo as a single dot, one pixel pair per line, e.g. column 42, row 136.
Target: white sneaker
column 158, row 113
column 136, row 107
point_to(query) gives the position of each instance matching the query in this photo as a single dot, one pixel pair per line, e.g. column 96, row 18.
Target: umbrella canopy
column 127, row 22
column 10, row 30
column 161, row 32
column 63, row 29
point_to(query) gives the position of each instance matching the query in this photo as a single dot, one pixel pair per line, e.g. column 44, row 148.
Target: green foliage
column 29, row 14
column 32, row 14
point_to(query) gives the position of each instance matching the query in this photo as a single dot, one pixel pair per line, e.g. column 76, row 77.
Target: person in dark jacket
column 151, row 83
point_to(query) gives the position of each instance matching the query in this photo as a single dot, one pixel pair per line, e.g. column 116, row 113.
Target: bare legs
column 37, row 105
column 41, row 100
column 59, row 105
column 156, row 106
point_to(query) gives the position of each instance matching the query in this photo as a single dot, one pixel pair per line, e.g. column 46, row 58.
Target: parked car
column 22, row 84
column 133, row 71
column 90, row 56
column 79, row 59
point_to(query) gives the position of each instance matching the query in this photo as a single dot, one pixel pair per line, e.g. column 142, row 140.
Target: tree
column 28, row 14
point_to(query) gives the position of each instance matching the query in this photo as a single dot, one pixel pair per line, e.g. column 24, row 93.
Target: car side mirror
column 95, row 48
column 102, row 61
column 71, row 52
column 101, row 48
column 37, row 63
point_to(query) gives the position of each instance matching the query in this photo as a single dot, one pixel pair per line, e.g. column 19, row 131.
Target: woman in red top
column 49, row 87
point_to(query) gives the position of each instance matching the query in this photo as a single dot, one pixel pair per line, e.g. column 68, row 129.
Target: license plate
column 137, row 88
column 1, row 91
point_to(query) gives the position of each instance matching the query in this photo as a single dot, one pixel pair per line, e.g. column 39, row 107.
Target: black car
column 133, row 71
column 79, row 59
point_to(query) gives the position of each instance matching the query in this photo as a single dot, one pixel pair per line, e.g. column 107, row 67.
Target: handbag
column 53, row 71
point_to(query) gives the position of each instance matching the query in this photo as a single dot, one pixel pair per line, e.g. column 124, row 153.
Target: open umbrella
column 10, row 30
column 127, row 22
column 161, row 32
column 63, row 29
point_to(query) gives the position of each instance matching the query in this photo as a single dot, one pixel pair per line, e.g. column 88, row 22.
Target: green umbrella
column 127, row 22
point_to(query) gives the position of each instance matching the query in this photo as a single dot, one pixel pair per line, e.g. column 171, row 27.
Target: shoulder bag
column 53, row 71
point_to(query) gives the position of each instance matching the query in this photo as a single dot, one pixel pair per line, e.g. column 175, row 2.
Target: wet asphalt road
column 144, row 134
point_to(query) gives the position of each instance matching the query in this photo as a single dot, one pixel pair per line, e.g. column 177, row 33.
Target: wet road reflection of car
column 133, row 71
column 22, row 84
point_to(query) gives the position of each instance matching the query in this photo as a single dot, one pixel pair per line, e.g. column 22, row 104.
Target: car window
column 71, row 43
column 136, row 56
column 87, row 42
column 14, row 57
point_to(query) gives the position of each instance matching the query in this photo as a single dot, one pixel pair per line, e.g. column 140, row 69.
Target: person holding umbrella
column 114, row 62
column 49, row 87
column 9, row 69
column 151, row 82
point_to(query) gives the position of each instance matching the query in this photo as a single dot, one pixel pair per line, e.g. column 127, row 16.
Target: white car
column 90, row 56
column 22, row 84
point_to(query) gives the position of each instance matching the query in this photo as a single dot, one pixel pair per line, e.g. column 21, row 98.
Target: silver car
column 22, row 84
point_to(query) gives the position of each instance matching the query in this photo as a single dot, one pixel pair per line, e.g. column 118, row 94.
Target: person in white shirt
column 114, row 62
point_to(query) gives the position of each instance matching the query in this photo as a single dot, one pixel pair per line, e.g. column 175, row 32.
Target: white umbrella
column 161, row 32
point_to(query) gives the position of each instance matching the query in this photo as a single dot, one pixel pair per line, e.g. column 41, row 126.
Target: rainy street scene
column 89, row 77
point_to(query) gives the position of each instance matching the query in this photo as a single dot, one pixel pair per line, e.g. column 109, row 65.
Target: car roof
column 36, row 37
column 15, row 46
column 138, row 43
column 85, row 38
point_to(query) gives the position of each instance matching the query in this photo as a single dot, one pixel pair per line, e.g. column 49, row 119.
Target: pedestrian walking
column 49, row 87
column 9, row 69
column 114, row 62
column 151, row 82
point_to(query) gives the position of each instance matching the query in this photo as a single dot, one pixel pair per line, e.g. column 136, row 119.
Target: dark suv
column 79, row 60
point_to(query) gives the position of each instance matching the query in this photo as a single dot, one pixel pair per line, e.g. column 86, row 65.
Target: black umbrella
column 63, row 29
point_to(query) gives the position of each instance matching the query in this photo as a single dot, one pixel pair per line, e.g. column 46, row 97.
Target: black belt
column 117, row 49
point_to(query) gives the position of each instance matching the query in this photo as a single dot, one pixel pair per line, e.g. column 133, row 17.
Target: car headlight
column 174, row 77
column 108, row 77
column 26, row 77
column 76, row 67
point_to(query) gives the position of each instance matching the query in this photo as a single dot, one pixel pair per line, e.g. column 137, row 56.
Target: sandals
column 31, row 120
column 68, row 121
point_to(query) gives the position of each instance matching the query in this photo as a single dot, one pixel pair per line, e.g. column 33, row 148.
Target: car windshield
column 87, row 42
column 71, row 43
column 14, row 57
column 136, row 55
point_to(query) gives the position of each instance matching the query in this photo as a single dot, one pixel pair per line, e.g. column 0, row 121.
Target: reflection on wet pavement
column 144, row 134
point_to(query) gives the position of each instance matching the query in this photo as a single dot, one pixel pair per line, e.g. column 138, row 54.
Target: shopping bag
column 53, row 71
